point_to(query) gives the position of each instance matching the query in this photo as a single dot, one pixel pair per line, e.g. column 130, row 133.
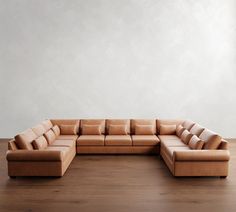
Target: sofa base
column 39, row 168
column 201, row 168
column 118, row 149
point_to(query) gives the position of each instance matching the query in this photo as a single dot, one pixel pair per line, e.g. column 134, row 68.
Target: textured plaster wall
column 119, row 59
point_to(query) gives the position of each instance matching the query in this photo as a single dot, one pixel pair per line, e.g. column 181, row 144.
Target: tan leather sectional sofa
column 187, row 148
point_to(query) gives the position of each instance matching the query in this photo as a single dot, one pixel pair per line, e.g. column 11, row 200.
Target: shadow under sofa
column 48, row 148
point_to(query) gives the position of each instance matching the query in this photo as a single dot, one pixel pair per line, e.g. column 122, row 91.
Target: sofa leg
column 12, row 177
column 223, row 177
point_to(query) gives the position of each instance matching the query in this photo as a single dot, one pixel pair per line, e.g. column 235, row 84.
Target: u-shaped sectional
column 187, row 148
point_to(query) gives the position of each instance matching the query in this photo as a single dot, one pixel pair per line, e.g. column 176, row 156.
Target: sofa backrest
column 60, row 122
column 135, row 122
column 160, row 122
column 117, row 122
column 93, row 122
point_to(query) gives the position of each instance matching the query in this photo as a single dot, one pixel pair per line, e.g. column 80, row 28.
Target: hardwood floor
column 117, row 183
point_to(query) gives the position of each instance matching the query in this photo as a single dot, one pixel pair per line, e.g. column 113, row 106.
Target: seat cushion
column 171, row 149
column 24, row 139
column 118, row 140
column 39, row 129
column 211, row 139
column 67, row 137
column 196, row 129
column 69, row 143
column 91, row 140
column 168, row 137
column 172, row 142
column 40, row 143
column 145, row 140
column 169, row 129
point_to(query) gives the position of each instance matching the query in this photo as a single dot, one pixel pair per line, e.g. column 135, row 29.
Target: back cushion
column 91, row 129
column 196, row 129
column 167, row 129
column 39, row 129
column 186, row 136
column 47, row 124
column 179, row 130
column 118, row 122
column 56, row 130
column 118, row 130
column 59, row 122
column 211, row 139
column 142, row 122
column 93, row 122
column 167, row 122
column 188, row 124
column 68, row 130
column 50, row 137
column 195, row 143
column 40, row 143
column 144, row 130
column 24, row 139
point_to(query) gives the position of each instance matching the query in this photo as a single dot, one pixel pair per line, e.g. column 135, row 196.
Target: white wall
column 118, row 58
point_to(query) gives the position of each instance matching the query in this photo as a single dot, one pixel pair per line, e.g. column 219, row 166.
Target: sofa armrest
column 34, row 155
column 202, row 155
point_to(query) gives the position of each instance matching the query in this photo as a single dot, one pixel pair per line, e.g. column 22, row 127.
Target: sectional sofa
column 187, row 148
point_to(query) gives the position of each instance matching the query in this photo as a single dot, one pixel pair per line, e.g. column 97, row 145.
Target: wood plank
column 117, row 183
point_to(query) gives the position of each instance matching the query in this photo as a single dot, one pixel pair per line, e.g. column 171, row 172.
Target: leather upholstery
column 67, row 137
column 196, row 129
column 56, row 130
column 167, row 122
column 144, row 130
column 47, row 124
column 68, row 129
column 118, row 129
column 211, row 139
column 169, row 129
column 59, row 122
column 91, row 140
column 202, row 155
column 50, row 136
column 118, row 140
column 117, row 122
column 188, row 124
column 145, row 140
column 40, row 143
column 91, row 129
column 144, row 122
column 186, row 136
column 179, row 130
column 69, row 143
column 39, row 129
column 195, row 143
column 24, row 139
column 93, row 122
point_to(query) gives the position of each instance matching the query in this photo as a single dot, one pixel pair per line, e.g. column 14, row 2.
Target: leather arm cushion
column 34, row 155
column 202, row 155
